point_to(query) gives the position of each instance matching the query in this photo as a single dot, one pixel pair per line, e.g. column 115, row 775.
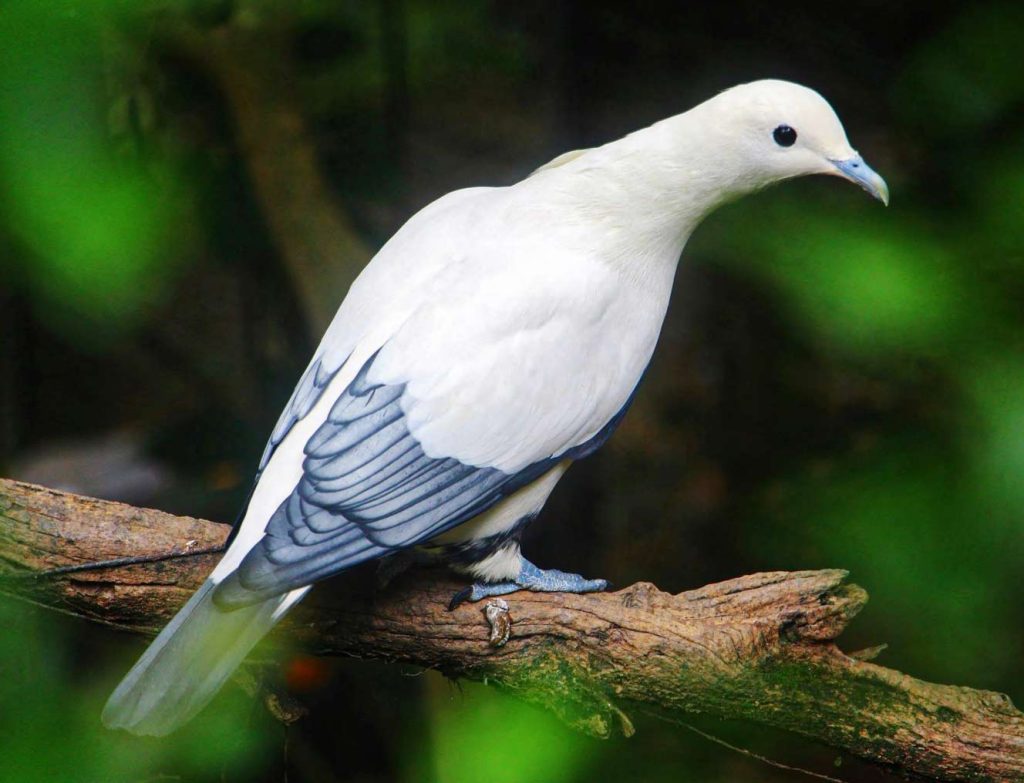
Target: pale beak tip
column 856, row 170
column 883, row 192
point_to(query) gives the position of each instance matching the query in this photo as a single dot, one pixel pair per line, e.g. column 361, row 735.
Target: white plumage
column 498, row 335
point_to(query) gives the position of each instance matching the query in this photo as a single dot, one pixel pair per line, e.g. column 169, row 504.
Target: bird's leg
column 531, row 578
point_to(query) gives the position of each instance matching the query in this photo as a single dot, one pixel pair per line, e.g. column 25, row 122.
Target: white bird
column 497, row 337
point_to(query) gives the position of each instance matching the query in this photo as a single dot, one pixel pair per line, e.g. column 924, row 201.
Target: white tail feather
column 189, row 661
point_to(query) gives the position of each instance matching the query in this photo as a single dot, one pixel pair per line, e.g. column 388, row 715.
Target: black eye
column 784, row 136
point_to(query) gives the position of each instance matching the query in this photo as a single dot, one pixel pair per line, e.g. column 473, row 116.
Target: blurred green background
column 187, row 188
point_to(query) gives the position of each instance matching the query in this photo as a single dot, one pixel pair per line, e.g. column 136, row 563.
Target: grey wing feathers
column 311, row 386
column 367, row 489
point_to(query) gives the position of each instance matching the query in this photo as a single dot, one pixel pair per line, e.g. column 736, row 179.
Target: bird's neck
column 647, row 192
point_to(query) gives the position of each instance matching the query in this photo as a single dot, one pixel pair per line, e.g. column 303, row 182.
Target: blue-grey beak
column 856, row 170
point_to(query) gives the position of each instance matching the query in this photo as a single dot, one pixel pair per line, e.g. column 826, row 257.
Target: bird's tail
column 188, row 662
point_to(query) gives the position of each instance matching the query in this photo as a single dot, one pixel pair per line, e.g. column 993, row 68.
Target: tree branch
column 760, row 647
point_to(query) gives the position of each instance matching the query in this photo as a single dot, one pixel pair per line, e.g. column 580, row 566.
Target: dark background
column 187, row 188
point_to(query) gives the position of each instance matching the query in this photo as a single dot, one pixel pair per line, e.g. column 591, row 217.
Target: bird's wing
column 468, row 378
column 510, row 360
column 367, row 489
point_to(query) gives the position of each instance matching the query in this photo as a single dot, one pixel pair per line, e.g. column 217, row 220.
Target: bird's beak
column 856, row 170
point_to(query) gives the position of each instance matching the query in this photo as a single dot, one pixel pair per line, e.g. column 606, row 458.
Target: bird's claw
column 482, row 590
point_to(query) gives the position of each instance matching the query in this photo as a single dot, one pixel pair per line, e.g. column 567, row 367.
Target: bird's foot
column 530, row 578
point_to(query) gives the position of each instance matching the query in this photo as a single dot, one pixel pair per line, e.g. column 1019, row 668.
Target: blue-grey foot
column 530, row 578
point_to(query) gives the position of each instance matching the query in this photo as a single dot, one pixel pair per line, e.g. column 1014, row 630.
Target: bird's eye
column 784, row 136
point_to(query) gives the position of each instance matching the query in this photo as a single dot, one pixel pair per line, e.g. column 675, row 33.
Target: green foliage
column 857, row 281
column 968, row 76
column 482, row 735
column 49, row 717
column 96, row 227
column 996, row 447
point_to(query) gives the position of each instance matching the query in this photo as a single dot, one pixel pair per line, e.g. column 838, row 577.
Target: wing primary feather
column 424, row 472
column 379, row 467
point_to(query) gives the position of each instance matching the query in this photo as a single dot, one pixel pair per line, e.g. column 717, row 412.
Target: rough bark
column 761, row 647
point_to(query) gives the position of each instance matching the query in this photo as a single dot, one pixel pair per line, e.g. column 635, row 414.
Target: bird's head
column 777, row 130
